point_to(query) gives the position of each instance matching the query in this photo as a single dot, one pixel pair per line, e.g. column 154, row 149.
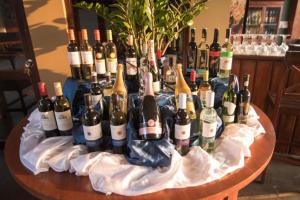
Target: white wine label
column 131, row 66
column 112, row 65
column 194, row 93
column 100, row 66
column 156, row 86
column 209, row 129
column 48, row 121
column 118, row 132
column 64, row 120
column 182, row 132
column 225, row 63
column 87, row 57
column 74, row 58
column 230, row 107
column 228, row 118
column 96, row 99
column 203, row 95
column 92, row 132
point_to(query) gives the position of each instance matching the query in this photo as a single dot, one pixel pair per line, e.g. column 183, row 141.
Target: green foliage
column 145, row 19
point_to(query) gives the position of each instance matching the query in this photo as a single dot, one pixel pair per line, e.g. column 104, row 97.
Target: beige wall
column 215, row 16
column 47, row 24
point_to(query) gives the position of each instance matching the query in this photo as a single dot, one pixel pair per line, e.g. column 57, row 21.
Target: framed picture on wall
column 237, row 14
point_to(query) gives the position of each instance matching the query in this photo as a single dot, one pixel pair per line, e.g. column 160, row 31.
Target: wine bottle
column 111, row 55
column 229, row 102
column 99, row 55
column 202, row 54
column 214, row 55
column 171, row 53
column 91, row 123
column 74, row 56
column 46, row 110
column 226, row 57
column 192, row 49
column 170, row 76
column 86, row 52
column 208, row 123
column 204, row 87
column 182, row 126
column 153, row 67
column 193, row 85
column 131, row 61
column 243, row 101
column 62, row 111
column 182, row 87
column 118, row 121
column 96, row 93
column 107, row 90
column 150, row 127
column 160, row 68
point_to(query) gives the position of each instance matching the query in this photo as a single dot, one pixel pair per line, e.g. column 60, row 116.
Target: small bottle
column 202, row 54
column 226, row 57
column 46, row 110
column 86, row 52
column 99, row 55
column 193, row 85
column 170, row 76
column 153, row 67
column 214, row 55
column 91, row 123
column 131, row 61
column 74, row 56
column 192, row 50
column 204, row 87
column 182, row 126
column 62, row 111
column 111, row 55
column 96, row 93
column 243, row 101
column 107, row 90
column 229, row 103
column 208, row 123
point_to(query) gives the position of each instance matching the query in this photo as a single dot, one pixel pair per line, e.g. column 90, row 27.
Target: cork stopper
column 97, row 34
column 57, row 89
column 109, row 35
column 84, row 34
column 71, row 34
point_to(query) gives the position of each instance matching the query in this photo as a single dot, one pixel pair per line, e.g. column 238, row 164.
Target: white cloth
column 111, row 173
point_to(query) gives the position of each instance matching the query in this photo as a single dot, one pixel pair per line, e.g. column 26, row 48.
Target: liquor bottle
column 182, row 87
column 150, row 127
column 46, row 110
column 160, row 68
column 243, row 101
column 226, row 57
column 131, row 61
column 170, row 76
column 74, row 56
column 192, row 50
column 86, row 52
column 91, row 123
column 153, row 67
column 182, row 126
column 96, row 93
column 204, row 87
column 62, row 111
column 208, row 123
column 202, row 54
column 193, row 85
column 229, row 103
column 171, row 53
column 143, row 66
column 111, row 55
column 99, row 55
column 118, row 121
column 107, row 90
column 214, row 56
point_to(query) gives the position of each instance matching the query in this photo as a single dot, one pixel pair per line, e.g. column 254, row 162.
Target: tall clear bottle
column 111, row 55
column 226, row 57
column 99, row 55
column 243, row 101
column 192, row 50
column 214, row 55
column 153, row 67
column 229, row 102
column 74, row 56
column 204, row 87
column 202, row 54
column 86, row 52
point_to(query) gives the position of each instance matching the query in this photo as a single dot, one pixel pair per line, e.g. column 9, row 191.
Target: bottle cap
column 193, row 76
column 158, row 54
column 109, row 35
column 87, row 99
column 71, row 34
column 182, row 101
column 228, row 33
column 97, row 34
column 130, row 40
column 205, row 75
column 84, row 34
column 210, row 99
column 246, row 79
column 42, row 89
column 57, row 89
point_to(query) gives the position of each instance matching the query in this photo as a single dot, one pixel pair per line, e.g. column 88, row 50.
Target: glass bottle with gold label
column 204, row 87
column 111, row 55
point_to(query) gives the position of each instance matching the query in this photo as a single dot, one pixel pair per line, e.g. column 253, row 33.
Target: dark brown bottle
column 74, row 56
column 86, row 52
column 193, row 85
column 214, row 55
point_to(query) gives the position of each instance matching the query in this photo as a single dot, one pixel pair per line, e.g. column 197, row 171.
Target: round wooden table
column 53, row 185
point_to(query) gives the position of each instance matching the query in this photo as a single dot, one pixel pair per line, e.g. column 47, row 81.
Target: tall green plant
column 147, row 19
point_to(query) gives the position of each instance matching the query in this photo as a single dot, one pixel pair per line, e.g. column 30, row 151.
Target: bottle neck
column 119, row 81
column 148, row 85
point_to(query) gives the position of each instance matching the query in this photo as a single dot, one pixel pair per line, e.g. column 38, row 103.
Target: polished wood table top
column 53, row 185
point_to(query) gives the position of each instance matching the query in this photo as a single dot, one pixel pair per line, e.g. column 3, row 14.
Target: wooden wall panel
column 236, row 67
column 295, row 147
column 248, row 67
column 278, row 70
column 284, row 132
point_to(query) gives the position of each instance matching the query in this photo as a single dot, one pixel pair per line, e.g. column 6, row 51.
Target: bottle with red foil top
column 86, row 52
column 45, row 108
column 214, row 56
column 160, row 68
column 193, row 85
column 99, row 56
column 150, row 127
column 153, row 67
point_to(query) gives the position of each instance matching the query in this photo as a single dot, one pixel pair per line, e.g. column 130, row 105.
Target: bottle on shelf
column 99, row 55
column 214, row 55
column 107, row 90
column 62, row 111
column 208, row 123
column 182, row 87
column 111, row 54
column 182, row 126
column 91, row 123
column 86, row 52
column 226, row 57
column 74, row 56
column 171, row 53
column 131, row 61
column 170, row 76
column 46, row 110
column 192, row 50
column 193, row 85
column 243, row 101
column 202, row 54
column 229, row 102
column 150, row 127
column 118, row 122
column 96, row 93
column 204, row 87
column 153, row 67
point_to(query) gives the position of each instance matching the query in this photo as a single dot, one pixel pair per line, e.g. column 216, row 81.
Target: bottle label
column 203, row 58
column 131, row 66
column 118, row 132
column 156, row 86
column 74, row 58
column 214, row 53
column 96, row 99
column 112, row 65
column 209, row 129
column 203, row 96
column 151, row 127
column 228, row 118
column 92, row 132
column 226, row 60
column 230, row 107
column 100, row 66
column 182, row 132
column 64, row 120
column 87, row 57
column 194, row 93
column 48, row 121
